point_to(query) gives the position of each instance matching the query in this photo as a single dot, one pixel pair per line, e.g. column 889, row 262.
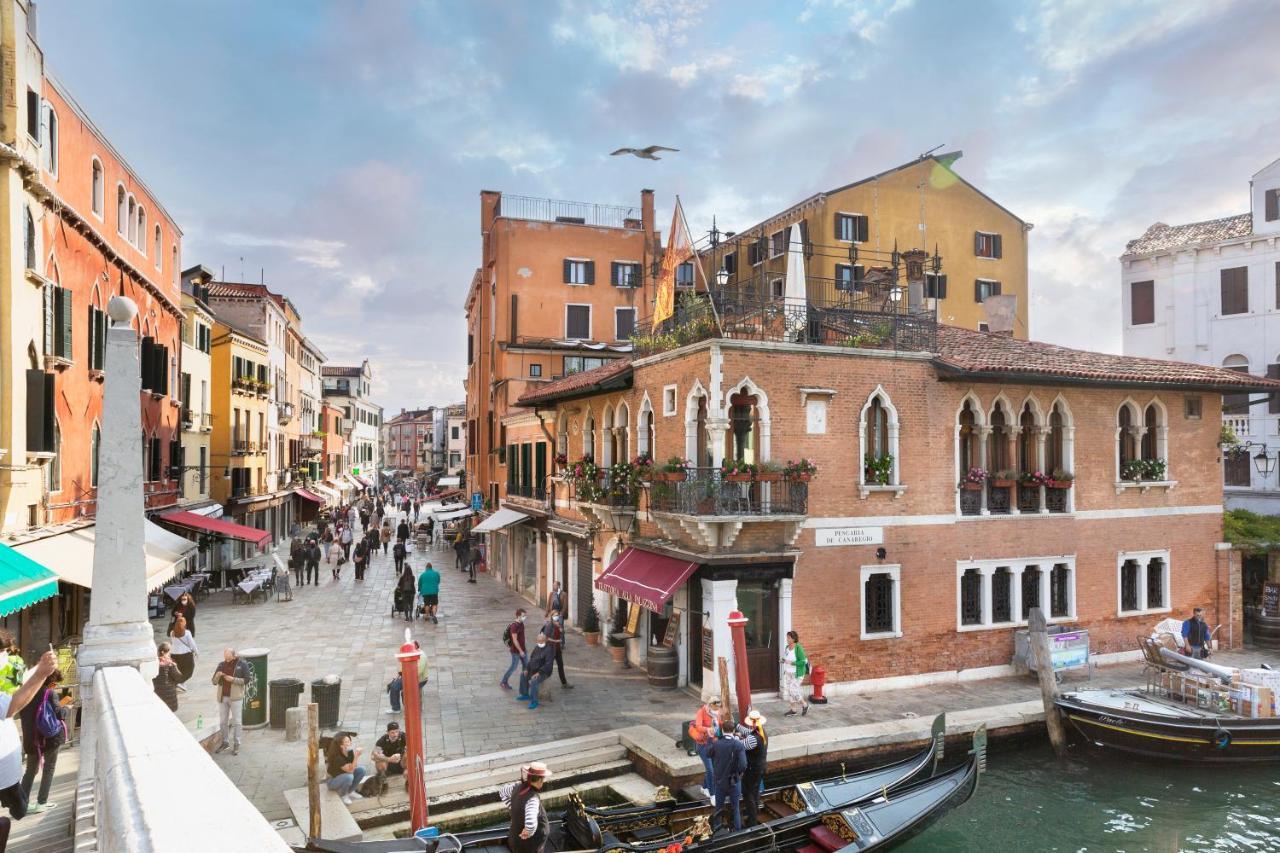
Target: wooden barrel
column 1266, row 630
column 663, row 668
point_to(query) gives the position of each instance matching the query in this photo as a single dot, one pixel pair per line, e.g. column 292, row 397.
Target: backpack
column 506, row 636
column 48, row 723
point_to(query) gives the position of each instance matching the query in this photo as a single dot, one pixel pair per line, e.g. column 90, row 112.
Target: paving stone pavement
column 346, row 628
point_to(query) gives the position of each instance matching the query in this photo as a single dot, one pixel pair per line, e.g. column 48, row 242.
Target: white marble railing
column 155, row 790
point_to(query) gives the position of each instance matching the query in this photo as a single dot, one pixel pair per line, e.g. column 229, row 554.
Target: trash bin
column 284, row 695
column 325, row 692
column 254, row 710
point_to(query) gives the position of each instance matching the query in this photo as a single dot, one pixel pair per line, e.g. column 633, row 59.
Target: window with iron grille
column 1002, row 595
column 1129, row 585
column 879, row 592
column 1060, row 591
column 1155, row 583
column 971, row 597
column 1030, row 590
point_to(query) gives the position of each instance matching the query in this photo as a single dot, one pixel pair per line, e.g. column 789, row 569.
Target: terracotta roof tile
column 576, row 384
column 982, row 353
column 339, row 370
column 1164, row 238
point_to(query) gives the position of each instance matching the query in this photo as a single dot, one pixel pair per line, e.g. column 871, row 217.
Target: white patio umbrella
column 795, row 291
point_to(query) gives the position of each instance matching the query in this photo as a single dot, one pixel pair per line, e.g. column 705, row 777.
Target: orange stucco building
column 560, row 288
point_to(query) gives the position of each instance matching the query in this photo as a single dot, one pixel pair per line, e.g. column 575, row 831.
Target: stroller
column 406, row 604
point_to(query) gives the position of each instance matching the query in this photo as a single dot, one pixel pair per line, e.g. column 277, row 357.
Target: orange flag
column 679, row 250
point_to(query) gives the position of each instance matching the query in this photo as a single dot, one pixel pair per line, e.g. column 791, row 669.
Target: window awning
column 361, row 480
column 339, row 485
column 445, row 482
column 645, row 578
column 309, row 496
column 218, row 527
column 326, row 492
column 23, row 581
column 500, row 519
column 69, row 555
column 454, row 515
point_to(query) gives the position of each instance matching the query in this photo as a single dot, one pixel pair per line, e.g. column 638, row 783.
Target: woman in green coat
column 795, row 666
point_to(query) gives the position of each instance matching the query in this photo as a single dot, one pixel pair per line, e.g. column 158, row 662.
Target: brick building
column 893, row 567
column 560, row 289
column 409, row 440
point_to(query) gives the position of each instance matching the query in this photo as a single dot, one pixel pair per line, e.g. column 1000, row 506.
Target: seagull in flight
column 649, row 153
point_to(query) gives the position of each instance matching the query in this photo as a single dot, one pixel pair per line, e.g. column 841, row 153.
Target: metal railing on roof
column 556, row 210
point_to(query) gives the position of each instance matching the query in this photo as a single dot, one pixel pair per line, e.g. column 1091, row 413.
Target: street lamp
column 1264, row 463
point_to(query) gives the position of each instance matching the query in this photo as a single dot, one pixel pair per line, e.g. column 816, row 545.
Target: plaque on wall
column 633, row 619
column 673, row 627
column 708, row 649
column 1271, row 599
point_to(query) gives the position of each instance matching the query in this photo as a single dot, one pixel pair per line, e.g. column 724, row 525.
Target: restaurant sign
column 827, row 536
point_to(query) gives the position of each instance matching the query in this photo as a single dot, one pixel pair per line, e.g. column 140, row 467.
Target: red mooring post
column 416, row 762
column 741, row 678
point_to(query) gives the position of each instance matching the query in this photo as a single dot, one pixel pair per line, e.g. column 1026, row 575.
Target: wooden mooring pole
column 313, row 770
column 725, row 696
column 1043, row 658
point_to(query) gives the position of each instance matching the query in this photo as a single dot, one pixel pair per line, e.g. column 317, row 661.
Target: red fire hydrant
column 818, row 678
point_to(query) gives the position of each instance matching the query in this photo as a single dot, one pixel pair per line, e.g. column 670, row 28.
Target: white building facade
column 348, row 389
column 1209, row 292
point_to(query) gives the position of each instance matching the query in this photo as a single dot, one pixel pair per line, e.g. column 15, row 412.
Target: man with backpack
column 12, row 796
column 513, row 637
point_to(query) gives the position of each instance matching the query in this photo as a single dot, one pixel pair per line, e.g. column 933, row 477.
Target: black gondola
column 792, row 808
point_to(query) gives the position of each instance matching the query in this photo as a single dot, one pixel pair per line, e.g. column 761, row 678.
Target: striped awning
column 23, row 581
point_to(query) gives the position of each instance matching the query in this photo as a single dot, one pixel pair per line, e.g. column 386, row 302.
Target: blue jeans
column 728, row 794
column 394, row 691
column 345, row 783
column 708, row 780
column 529, row 686
column 517, row 662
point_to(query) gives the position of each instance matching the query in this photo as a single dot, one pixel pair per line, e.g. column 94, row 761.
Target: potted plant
column 561, row 460
column 1154, row 469
column 672, row 471
column 877, row 470
column 591, row 626
column 1003, row 479
column 1133, row 470
column 737, row 471
column 801, row 471
column 1032, row 479
column 618, row 635
column 643, row 463
column 1060, row 479
column 769, row 472
column 973, row 480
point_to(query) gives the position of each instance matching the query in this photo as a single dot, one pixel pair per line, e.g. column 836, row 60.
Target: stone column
column 119, row 633
column 719, row 599
column 983, row 433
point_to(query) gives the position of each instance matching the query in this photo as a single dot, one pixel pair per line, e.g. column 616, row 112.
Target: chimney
column 1001, row 312
column 646, row 212
column 490, row 209
column 915, row 260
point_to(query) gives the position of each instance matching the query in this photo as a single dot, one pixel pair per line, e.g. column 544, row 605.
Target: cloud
column 637, row 36
column 321, row 254
column 775, row 82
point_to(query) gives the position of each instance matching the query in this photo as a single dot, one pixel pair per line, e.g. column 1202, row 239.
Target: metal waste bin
column 254, row 710
column 284, row 695
column 325, row 692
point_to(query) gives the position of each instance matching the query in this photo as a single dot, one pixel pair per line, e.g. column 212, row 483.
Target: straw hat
column 754, row 716
column 714, row 700
column 537, row 770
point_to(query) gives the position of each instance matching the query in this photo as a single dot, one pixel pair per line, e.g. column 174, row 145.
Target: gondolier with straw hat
column 530, row 828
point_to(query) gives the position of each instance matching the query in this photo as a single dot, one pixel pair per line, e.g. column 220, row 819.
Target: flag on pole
column 679, row 250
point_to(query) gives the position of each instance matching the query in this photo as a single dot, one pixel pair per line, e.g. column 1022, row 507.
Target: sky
column 337, row 149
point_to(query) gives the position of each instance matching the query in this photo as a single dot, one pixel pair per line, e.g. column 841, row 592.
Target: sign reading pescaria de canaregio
column 829, row 536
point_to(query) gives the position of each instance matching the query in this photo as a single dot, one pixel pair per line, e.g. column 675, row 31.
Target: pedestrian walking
column 336, row 557
column 554, row 632
column 345, row 773
column 513, row 636
column 230, row 677
column 398, row 553
column 459, row 550
column 756, row 741
column 385, row 536
column 186, row 605
column 703, row 730
column 416, row 507
column 346, row 538
column 183, row 650
column 313, row 562
column 530, row 830
column 12, row 795
column 395, row 688
column 405, row 593
column 431, row 529
column 795, row 666
column 297, row 560
column 536, row 672
column 402, row 531
column 429, row 589
column 43, row 734
column 555, row 601
column 360, row 557
column 729, row 758
column 167, row 679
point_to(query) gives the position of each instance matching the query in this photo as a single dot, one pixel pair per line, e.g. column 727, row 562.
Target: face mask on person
column 542, row 644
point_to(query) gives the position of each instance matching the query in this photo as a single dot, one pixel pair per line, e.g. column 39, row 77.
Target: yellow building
column 851, row 230
column 239, row 401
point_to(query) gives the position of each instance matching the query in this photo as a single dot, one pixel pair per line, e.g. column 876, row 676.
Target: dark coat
column 728, row 760
column 541, row 660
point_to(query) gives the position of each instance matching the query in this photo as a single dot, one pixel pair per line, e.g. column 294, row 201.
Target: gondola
column 1147, row 722
column 583, row 827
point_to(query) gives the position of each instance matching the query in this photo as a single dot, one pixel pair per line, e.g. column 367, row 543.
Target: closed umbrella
column 796, row 293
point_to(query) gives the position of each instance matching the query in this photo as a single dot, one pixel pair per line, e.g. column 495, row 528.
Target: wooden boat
column 1152, row 722
column 583, row 827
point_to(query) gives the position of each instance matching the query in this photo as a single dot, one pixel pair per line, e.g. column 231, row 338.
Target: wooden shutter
column 64, row 322
column 625, row 322
column 1235, row 290
column 93, row 338
column 514, row 313
column 1142, row 305
column 148, row 363
column 160, row 371
column 840, row 217
column 591, row 271
column 1273, row 400
column 995, row 288
column 936, row 286
column 998, row 248
column 804, row 238
column 39, row 411
column 977, row 290
column 731, row 263
column 1272, row 203
column 977, row 243
column 568, row 269
column 862, row 227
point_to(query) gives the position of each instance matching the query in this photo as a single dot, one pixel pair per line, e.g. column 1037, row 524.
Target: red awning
column 645, row 578
column 314, row 498
column 362, row 481
column 218, row 526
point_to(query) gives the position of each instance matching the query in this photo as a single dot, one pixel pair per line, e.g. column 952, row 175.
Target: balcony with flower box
column 1008, row 493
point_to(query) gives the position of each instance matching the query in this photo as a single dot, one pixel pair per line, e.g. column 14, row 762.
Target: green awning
column 23, row 581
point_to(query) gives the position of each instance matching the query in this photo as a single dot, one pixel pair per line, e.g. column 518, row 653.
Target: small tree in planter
column 801, row 471
column 591, row 626
column 878, row 470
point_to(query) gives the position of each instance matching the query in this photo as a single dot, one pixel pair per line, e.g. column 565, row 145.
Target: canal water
column 1101, row 801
